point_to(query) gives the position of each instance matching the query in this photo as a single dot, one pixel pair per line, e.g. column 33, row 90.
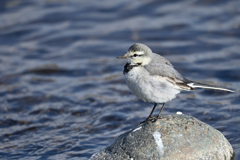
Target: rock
column 172, row 137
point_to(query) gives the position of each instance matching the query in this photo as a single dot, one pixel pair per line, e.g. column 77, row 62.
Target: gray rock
column 173, row 137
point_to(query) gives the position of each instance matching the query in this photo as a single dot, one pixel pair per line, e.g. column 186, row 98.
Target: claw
column 148, row 119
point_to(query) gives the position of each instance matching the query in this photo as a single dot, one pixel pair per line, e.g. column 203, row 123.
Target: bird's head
column 138, row 54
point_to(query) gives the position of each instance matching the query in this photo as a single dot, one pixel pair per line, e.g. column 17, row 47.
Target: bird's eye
column 135, row 55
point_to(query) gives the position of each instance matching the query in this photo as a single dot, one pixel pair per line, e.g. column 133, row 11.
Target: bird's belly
column 150, row 88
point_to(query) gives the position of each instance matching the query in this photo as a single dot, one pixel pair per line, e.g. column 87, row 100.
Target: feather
column 207, row 86
column 162, row 67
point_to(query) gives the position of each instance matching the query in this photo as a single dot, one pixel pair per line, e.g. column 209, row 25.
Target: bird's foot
column 156, row 118
column 148, row 119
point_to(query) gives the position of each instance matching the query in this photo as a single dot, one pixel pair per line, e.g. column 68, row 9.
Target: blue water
column 62, row 91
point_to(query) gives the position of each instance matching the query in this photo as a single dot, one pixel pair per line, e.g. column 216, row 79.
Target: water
column 62, row 92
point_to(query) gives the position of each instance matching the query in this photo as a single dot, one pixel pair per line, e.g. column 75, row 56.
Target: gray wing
column 160, row 66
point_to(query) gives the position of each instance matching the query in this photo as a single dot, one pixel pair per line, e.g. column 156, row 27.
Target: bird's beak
column 123, row 57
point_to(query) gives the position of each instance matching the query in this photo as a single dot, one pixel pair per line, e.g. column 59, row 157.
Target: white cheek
column 135, row 60
column 142, row 59
column 146, row 60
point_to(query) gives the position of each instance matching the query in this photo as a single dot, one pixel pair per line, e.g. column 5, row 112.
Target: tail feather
column 207, row 86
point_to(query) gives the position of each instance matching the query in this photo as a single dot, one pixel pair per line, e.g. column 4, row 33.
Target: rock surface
column 172, row 137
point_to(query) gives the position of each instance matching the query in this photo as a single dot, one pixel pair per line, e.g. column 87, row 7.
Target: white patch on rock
column 179, row 113
column 159, row 142
column 137, row 129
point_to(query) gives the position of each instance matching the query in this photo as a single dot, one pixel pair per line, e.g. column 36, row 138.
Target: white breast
column 150, row 88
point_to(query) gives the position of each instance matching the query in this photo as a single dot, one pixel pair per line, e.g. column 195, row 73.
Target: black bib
column 128, row 67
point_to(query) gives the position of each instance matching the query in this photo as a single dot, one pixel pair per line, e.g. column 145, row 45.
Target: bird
column 152, row 78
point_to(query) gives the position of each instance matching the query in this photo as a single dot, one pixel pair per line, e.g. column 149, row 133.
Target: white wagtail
column 152, row 78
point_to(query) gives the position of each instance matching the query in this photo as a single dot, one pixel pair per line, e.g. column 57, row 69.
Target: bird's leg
column 160, row 111
column 150, row 115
